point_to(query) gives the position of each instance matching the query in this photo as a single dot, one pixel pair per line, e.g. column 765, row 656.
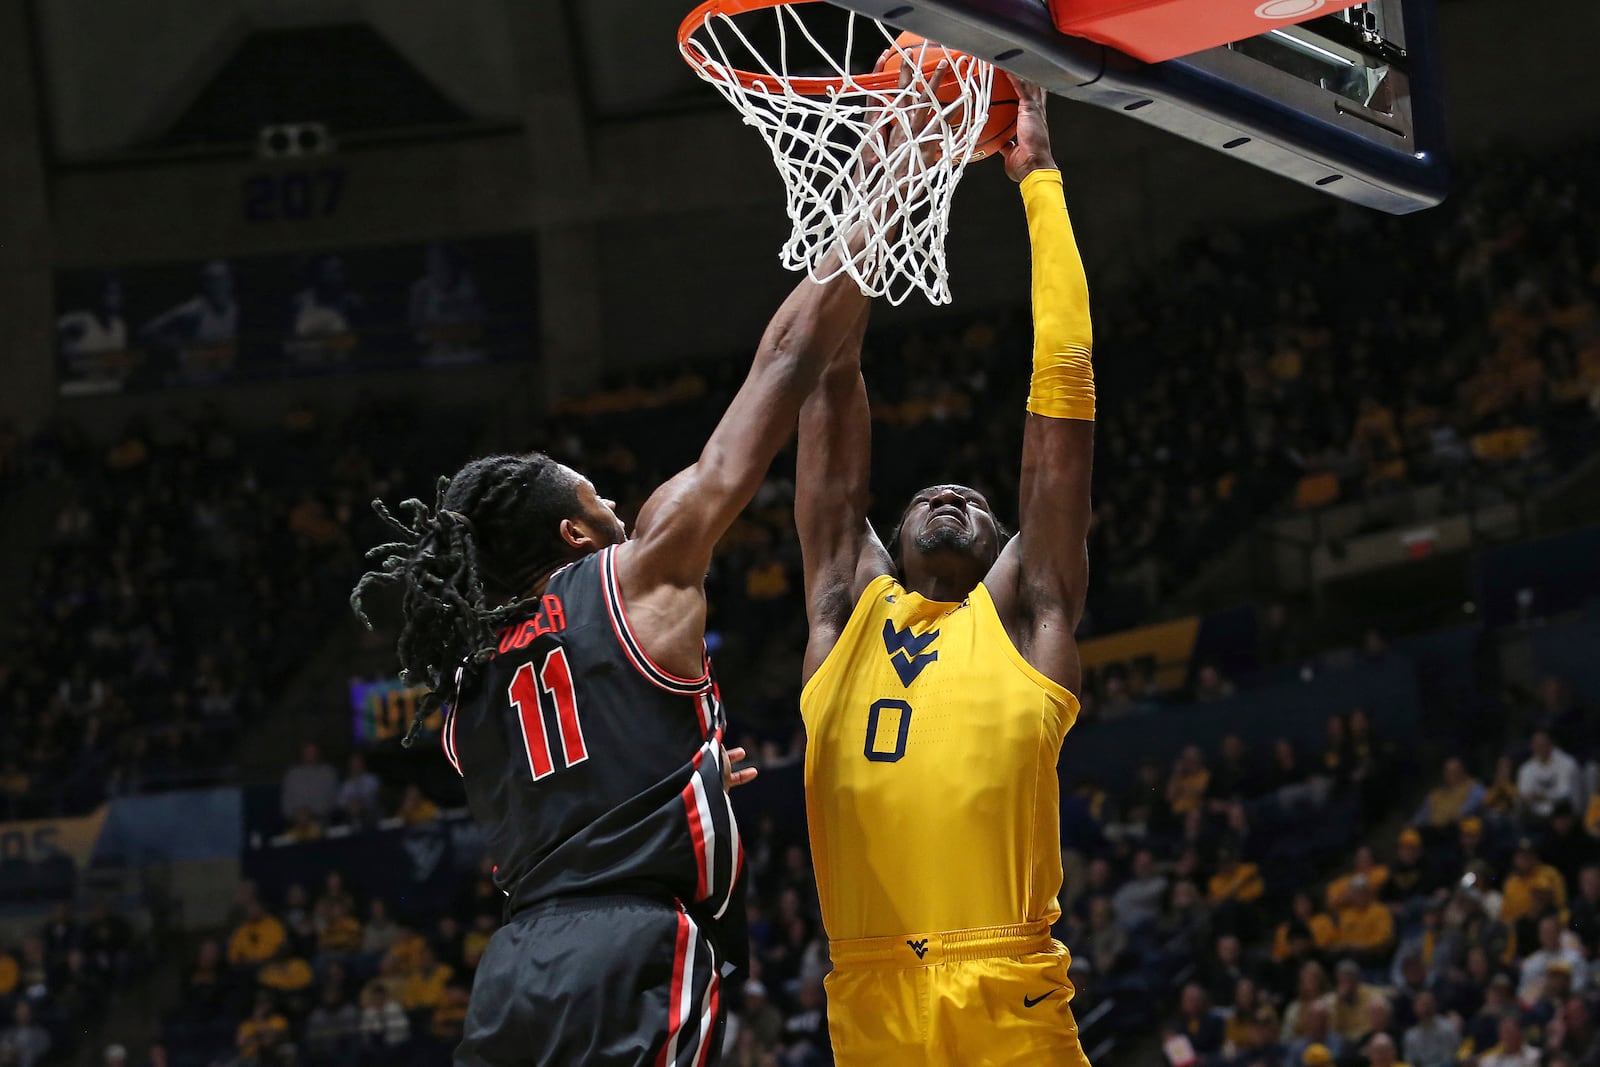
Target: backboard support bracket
column 1397, row 164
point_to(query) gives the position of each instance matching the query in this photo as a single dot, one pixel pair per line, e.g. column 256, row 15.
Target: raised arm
column 1041, row 579
column 662, row 569
column 839, row 549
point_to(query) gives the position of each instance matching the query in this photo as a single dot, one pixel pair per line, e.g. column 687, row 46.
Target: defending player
column 939, row 684
column 583, row 715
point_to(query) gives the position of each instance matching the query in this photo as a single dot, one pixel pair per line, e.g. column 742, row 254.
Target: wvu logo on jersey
column 906, row 652
column 920, row 947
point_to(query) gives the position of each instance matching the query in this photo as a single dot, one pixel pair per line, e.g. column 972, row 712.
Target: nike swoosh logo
column 1028, row 1002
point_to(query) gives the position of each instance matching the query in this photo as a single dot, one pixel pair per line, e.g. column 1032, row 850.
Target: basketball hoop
column 826, row 116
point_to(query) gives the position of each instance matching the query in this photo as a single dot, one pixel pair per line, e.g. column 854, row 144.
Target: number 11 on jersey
column 527, row 696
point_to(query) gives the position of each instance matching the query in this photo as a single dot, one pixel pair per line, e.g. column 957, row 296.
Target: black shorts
column 614, row 981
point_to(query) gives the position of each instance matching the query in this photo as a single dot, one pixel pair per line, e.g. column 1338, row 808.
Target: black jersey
column 591, row 769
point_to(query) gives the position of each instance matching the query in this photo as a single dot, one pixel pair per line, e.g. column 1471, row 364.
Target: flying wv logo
column 920, row 947
column 906, row 652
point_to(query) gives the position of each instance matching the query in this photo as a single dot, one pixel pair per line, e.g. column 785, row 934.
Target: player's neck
column 946, row 586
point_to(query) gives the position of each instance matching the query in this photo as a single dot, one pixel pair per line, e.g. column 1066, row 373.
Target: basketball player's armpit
column 1063, row 337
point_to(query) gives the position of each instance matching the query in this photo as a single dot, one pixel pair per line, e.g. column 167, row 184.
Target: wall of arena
column 657, row 236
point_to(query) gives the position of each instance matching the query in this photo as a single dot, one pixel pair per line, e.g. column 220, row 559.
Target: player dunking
column 582, row 714
column 939, row 685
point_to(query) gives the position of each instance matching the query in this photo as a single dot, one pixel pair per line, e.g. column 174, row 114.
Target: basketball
column 1001, row 124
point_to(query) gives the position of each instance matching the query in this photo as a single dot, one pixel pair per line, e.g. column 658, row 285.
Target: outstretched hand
column 895, row 128
column 731, row 777
column 1030, row 149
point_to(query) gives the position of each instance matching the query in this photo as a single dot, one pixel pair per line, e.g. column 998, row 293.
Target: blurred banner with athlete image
column 158, row 326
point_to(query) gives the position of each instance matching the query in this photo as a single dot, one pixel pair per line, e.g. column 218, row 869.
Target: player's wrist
column 1035, row 165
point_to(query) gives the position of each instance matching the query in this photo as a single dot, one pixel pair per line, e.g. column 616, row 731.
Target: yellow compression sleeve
column 1063, row 340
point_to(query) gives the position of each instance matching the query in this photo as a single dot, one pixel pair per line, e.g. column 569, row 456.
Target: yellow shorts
column 970, row 998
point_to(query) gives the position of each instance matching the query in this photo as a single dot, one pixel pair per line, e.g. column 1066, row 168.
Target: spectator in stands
column 1586, row 910
column 1511, row 1050
column 1374, row 874
column 1264, row 1049
column 10, row 974
column 1187, row 924
column 107, row 940
column 805, row 1029
column 1322, row 1044
column 425, row 984
column 1145, row 807
column 1528, row 872
column 1572, row 1033
column 1565, row 845
column 298, row 920
column 310, row 785
column 1235, row 882
column 1369, row 756
column 265, row 1029
column 303, row 826
column 383, row 1021
column 1137, row 901
column 1410, row 876
column 476, row 941
column 416, row 808
column 449, row 1019
column 257, row 939
column 1225, row 970
column 1239, row 1018
column 1210, row 686
column 341, row 934
column 1379, row 1024
column 1336, row 752
column 1551, row 953
column 1501, row 800
column 208, row 991
column 1564, row 718
column 1235, row 776
column 1380, row 1051
column 1107, row 941
column 1548, row 777
column 760, row 1016
column 332, row 1027
column 1557, row 988
column 25, row 1040
column 1349, row 1002
column 1433, row 1039
column 1427, row 945
column 358, row 797
column 1458, row 796
column 1311, row 996
column 1499, row 1003
column 1298, row 938
column 1186, row 789
column 80, row 990
column 1366, row 927
column 381, row 932
column 60, row 934
column 1196, row 1021
column 1468, row 848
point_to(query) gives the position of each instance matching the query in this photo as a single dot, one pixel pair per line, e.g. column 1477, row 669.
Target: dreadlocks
column 465, row 565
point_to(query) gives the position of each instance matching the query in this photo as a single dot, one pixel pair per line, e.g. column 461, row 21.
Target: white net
column 835, row 143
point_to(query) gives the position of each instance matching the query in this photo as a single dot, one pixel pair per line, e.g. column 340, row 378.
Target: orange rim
column 697, row 57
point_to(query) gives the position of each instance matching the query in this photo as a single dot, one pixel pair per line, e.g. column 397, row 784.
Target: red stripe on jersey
column 675, row 1019
column 632, row 647
column 708, row 1022
column 697, row 821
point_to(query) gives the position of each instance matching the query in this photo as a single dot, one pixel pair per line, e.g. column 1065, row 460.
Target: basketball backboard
column 1348, row 101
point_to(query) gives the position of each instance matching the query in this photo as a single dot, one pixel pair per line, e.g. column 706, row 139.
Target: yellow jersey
column 931, row 786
